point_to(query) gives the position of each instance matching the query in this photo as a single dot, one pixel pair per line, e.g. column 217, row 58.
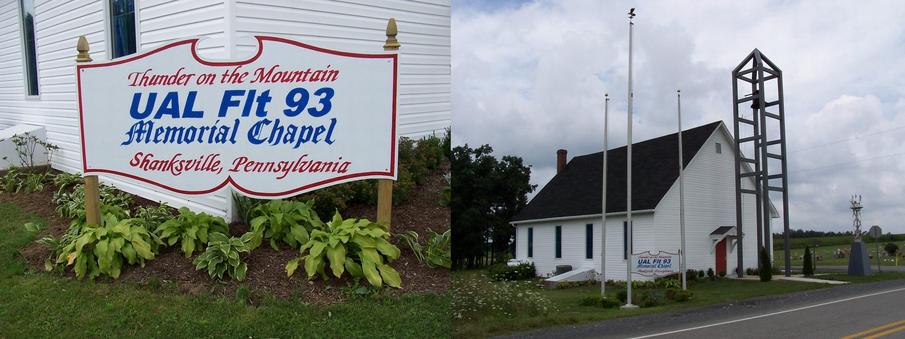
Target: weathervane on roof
column 856, row 214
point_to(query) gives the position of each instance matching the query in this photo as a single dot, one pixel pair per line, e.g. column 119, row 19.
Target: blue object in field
column 858, row 260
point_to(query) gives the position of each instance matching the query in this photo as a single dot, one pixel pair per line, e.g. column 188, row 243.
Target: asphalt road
column 863, row 310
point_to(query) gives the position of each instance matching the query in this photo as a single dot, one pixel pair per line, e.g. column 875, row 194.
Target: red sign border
column 229, row 179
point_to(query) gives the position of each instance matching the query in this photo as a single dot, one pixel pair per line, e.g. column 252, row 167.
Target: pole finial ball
column 82, row 48
column 391, row 44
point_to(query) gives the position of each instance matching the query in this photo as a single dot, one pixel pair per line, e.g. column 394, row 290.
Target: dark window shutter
column 530, row 242
column 589, row 241
column 558, row 242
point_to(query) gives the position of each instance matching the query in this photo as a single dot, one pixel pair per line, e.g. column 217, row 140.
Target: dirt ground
column 266, row 266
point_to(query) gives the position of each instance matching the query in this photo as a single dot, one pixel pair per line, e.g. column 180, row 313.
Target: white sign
column 656, row 264
column 291, row 119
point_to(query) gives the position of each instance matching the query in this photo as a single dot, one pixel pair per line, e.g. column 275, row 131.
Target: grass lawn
column 564, row 304
column 877, row 276
column 827, row 258
column 46, row 305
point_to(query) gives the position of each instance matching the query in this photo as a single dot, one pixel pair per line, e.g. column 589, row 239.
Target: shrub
column 600, row 302
column 435, row 252
column 190, row 229
column 622, row 295
column 26, row 144
column 222, row 256
column 651, row 298
column 357, row 246
column 807, row 266
column 671, row 281
column 751, row 271
column 288, row 221
column 710, row 274
column 691, row 275
column 701, row 274
column 891, row 249
column 678, row 295
column 501, row 272
column 766, row 268
column 102, row 249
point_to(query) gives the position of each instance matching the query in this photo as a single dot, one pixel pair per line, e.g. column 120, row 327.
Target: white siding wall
column 360, row 25
column 424, row 88
column 709, row 203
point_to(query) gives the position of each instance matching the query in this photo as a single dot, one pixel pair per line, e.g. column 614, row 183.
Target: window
column 558, row 242
column 588, row 241
column 719, row 148
column 30, row 53
column 122, row 27
column 530, row 242
column 625, row 244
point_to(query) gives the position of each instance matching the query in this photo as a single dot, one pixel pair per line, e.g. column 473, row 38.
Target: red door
column 721, row 257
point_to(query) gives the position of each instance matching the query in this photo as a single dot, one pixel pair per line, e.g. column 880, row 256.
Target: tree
column 808, row 265
column 891, row 249
column 766, row 268
column 487, row 192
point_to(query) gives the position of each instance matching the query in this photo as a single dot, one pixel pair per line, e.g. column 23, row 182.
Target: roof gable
column 576, row 190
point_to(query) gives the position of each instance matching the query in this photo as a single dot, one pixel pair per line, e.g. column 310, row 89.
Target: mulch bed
column 266, row 267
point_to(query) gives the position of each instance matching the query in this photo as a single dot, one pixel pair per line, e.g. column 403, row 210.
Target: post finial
column 391, row 44
column 82, row 48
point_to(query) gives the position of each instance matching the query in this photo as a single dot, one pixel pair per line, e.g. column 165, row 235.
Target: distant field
column 827, row 247
column 800, row 243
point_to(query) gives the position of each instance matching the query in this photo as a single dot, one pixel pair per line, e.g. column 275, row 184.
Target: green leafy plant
column 500, row 272
column 102, row 249
column 245, row 207
column 11, row 179
column 222, row 256
column 357, row 246
column 600, row 302
column 154, row 215
column 435, row 252
column 16, row 181
column 288, row 221
column 190, row 229
column 72, row 204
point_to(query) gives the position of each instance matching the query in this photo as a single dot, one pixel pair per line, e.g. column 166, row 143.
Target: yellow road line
column 875, row 329
column 889, row 331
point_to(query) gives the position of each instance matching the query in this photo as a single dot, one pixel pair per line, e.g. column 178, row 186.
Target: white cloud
column 529, row 78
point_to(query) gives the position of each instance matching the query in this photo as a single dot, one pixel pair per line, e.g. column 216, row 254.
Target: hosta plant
column 222, row 256
column 288, row 221
column 433, row 253
column 356, row 246
column 191, row 230
column 102, row 249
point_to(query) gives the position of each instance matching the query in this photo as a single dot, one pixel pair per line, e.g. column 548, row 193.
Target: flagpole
column 628, row 193
column 681, row 189
column 606, row 121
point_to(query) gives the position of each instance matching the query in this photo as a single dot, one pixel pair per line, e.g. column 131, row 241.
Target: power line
column 849, row 163
column 849, row 139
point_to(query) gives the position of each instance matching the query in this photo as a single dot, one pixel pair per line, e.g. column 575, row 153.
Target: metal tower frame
column 758, row 71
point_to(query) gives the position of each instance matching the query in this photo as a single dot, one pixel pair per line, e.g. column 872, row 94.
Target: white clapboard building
column 561, row 224
column 37, row 57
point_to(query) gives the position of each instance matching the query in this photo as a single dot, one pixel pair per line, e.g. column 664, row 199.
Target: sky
column 529, row 78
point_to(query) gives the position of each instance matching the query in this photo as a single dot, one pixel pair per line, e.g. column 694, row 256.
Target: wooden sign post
column 385, row 186
column 92, row 197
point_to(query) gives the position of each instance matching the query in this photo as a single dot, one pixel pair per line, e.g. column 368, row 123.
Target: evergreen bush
column 766, row 268
column 808, row 265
